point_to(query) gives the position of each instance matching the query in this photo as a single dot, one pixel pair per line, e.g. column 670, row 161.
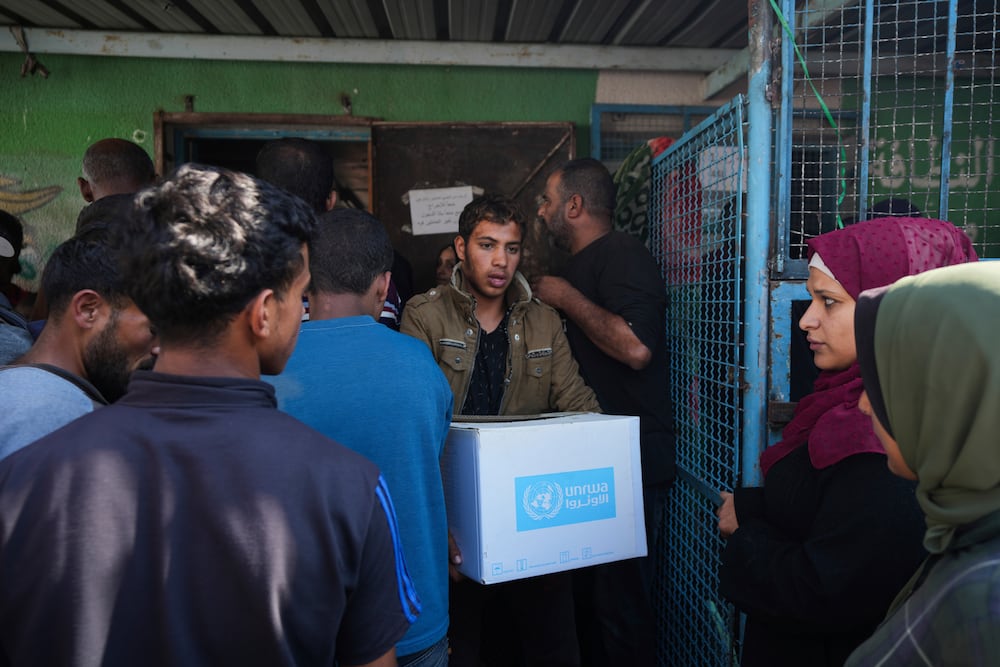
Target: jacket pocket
column 454, row 354
column 538, row 367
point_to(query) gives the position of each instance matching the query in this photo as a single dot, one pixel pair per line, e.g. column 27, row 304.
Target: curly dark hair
column 493, row 208
column 204, row 243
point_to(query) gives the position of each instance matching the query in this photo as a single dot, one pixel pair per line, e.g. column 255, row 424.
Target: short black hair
column 347, row 251
column 590, row 179
column 498, row 209
column 89, row 260
column 299, row 166
column 204, row 243
column 117, row 159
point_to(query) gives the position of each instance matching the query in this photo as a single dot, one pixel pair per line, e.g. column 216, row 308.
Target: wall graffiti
column 917, row 162
column 17, row 202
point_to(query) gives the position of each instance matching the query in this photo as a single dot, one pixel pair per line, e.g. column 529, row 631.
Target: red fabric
column 862, row 256
column 682, row 203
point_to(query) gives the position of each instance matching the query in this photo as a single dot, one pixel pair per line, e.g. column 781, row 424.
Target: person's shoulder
column 438, row 304
column 30, row 380
column 63, row 431
column 435, row 295
column 404, row 344
column 540, row 310
column 314, row 448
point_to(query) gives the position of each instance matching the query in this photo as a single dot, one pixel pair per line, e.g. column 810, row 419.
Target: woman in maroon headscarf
column 815, row 556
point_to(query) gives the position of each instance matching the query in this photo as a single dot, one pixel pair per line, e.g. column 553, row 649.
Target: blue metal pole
column 783, row 143
column 949, row 103
column 758, row 237
column 595, row 132
column 866, row 110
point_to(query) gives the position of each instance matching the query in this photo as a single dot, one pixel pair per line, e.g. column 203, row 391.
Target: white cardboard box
column 530, row 497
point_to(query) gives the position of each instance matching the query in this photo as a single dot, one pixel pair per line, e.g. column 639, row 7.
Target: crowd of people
column 225, row 422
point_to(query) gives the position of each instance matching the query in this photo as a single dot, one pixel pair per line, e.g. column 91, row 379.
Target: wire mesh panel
column 890, row 109
column 617, row 129
column 696, row 234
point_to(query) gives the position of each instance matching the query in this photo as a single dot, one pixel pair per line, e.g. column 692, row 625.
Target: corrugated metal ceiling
column 672, row 23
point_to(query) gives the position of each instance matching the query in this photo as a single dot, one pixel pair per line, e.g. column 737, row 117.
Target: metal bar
column 538, row 167
column 390, row 52
column 757, row 240
column 866, row 111
column 949, row 104
column 783, row 141
column 595, row 131
column 700, row 486
column 729, row 73
column 357, row 133
column 780, row 370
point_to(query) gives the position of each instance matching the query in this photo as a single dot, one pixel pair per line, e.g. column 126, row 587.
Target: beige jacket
column 542, row 375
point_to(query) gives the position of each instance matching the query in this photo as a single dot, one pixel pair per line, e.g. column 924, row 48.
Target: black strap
column 85, row 386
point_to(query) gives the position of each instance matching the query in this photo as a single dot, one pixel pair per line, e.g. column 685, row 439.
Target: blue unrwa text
column 562, row 498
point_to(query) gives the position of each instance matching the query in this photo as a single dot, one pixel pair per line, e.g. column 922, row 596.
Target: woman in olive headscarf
column 931, row 367
column 815, row 555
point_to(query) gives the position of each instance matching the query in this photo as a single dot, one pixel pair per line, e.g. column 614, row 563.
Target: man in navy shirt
column 192, row 523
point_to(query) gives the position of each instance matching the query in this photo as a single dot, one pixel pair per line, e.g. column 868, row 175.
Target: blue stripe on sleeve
column 407, row 591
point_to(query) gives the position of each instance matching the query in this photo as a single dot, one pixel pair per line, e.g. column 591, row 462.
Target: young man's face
column 125, row 343
column 489, row 258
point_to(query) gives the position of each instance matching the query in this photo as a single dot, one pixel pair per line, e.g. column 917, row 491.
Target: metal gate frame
column 733, row 273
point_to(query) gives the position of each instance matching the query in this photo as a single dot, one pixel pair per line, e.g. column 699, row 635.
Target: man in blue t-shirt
column 382, row 394
column 94, row 338
column 192, row 523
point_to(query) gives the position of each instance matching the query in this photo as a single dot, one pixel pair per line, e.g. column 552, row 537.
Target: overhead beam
column 732, row 71
column 366, row 51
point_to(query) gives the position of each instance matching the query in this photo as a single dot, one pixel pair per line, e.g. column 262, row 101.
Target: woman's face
column 445, row 263
column 829, row 323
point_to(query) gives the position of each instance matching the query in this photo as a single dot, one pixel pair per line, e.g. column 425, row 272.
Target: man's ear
column 261, row 313
column 574, row 206
column 331, row 199
column 382, row 283
column 88, row 309
column 459, row 248
column 85, row 189
column 377, row 293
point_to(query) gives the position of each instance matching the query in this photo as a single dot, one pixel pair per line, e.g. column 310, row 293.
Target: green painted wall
column 48, row 123
column 907, row 147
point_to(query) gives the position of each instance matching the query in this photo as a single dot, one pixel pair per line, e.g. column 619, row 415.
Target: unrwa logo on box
column 563, row 498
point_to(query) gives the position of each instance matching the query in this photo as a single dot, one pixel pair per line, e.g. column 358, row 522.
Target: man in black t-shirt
column 614, row 301
column 192, row 523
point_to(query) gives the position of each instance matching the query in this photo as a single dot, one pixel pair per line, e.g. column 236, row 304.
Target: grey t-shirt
column 35, row 403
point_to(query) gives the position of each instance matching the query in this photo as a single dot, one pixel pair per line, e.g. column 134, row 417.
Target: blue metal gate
column 878, row 106
column 697, row 195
